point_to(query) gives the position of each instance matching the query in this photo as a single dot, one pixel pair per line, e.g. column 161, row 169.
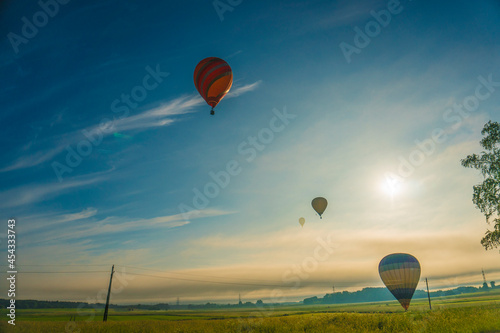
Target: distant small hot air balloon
column 213, row 78
column 400, row 273
column 302, row 221
column 319, row 205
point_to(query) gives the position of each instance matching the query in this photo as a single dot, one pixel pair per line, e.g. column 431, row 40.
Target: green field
column 478, row 312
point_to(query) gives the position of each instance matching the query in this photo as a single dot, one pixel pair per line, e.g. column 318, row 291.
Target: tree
column 486, row 195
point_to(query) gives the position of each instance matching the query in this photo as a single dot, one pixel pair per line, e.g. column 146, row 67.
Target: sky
column 110, row 156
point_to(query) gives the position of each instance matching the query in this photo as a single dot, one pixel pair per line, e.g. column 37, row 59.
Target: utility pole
column 485, row 285
column 178, row 302
column 109, row 292
column 428, row 294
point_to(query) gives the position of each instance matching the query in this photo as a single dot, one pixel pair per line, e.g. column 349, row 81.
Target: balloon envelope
column 319, row 205
column 213, row 78
column 302, row 221
column 400, row 273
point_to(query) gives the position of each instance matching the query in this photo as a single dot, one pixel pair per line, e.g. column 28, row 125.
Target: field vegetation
column 478, row 312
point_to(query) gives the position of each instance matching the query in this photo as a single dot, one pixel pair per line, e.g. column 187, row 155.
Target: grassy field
column 479, row 312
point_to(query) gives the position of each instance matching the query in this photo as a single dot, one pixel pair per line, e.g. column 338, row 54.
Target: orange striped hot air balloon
column 213, row 79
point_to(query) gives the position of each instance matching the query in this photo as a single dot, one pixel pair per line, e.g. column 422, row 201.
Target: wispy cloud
column 158, row 116
column 116, row 224
column 243, row 89
column 162, row 115
column 152, row 117
column 46, row 221
column 233, row 54
column 32, row 193
column 349, row 13
column 33, row 159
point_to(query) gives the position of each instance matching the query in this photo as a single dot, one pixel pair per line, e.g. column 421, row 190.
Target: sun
column 391, row 185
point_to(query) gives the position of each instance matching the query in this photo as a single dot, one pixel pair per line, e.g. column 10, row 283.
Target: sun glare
column 391, row 185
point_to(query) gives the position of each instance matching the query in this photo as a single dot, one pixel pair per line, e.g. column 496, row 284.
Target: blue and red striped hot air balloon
column 213, row 78
column 400, row 273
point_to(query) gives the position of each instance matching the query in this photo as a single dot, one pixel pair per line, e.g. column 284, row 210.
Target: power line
column 211, row 276
column 75, row 272
column 274, row 283
column 218, row 282
column 85, row 265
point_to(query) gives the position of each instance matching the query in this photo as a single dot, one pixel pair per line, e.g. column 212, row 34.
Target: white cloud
column 44, row 221
column 33, row 159
column 236, row 91
column 32, row 193
column 156, row 116
column 115, row 224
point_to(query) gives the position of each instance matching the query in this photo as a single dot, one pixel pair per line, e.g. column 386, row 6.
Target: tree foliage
column 486, row 196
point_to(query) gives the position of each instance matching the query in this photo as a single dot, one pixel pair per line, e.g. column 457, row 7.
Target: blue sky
column 351, row 121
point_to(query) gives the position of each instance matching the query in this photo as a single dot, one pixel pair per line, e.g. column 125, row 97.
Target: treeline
column 382, row 294
column 209, row 305
column 34, row 304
